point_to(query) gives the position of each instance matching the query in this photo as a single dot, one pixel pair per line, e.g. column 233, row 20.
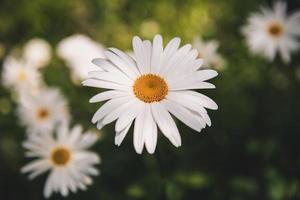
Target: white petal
column 107, row 66
column 169, row 51
column 197, row 97
column 177, row 57
column 138, row 137
column 111, row 94
column 182, row 114
column 62, row 133
column 206, row 118
column 121, row 64
column 187, row 101
column 147, row 51
column 99, row 62
column 137, row 45
column 105, row 84
column 70, row 182
column 108, row 107
column 110, row 77
column 121, row 135
column 199, row 118
column 35, row 165
column 49, row 186
column 195, row 65
column 166, row 124
column 130, row 62
column 87, row 140
column 100, row 125
column 183, row 63
column 63, row 185
column 149, row 131
column 157, row 51
column 171, row 47
column 113, row 115
column 128, row 116
column 197, row 76
column 75, row 135
column 39, row 171
column 190, row 85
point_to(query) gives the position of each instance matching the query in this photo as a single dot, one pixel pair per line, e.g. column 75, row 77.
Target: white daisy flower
column 40, row 113
column 65, row 156
column 208, row 51
column 18, row 75
column 37, row 52
column 77, row 51
column 271, row 31
column 146, row 90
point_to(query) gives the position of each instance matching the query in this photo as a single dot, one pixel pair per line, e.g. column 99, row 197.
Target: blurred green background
column 251, row 151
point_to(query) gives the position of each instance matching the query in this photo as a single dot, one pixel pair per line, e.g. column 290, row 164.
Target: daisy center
column 275, row 29
column 42, row 113
column 22, row 75
column 200, row 55
column 61, row 156
column 150, row 88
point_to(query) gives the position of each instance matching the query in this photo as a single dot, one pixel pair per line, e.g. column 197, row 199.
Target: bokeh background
column 251, row 151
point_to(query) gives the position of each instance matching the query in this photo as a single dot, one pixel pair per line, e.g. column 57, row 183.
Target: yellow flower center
column 22, row 75
column 150, row 88
column 200, row 55
column 275, row 29
column 61, row 156
column 42, row 113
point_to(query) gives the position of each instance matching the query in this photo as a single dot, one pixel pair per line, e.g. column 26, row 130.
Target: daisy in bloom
column 40, row 113
column 272, row 31
column 77, row 51
column 145, row 90
column 65, row 155
column 21, row 77
column 37, row 52
column 208, row 51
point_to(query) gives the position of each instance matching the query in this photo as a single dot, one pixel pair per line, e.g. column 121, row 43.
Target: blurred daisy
column 18, row 75
column 146, row 90
column 208, row 51
column 64, row 154
column 77, row 51
column 42, row 112
column 37, row 52
column 271, row 31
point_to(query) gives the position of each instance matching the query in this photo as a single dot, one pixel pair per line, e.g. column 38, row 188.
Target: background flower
column 208, row 51
column 78, row 51
column 37, row 52
column 41, row 112
column 66, row 156
column 273, row 31
column 20, row 76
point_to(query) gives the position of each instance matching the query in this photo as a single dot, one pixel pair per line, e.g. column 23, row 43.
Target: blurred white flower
column 37, row 52
column 65, row 154
column 78, row 51
column 146, row 90
column 208, row 51
column 271, row 31
column 40, row 113
column 19, row 76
